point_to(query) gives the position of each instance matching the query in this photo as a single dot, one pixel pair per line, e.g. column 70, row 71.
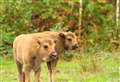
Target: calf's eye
column 69, row 39
column 45, row 46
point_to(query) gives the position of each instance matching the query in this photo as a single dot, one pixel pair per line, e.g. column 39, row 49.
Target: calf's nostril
column 53, row 55
column 75, row 46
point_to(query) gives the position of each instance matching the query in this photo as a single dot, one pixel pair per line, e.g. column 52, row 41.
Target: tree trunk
column 117, row 13
column 80, row 14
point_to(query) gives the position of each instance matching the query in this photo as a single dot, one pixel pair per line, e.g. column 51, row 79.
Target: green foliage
column 6, row 44
column 98, row 23
column 98, row 20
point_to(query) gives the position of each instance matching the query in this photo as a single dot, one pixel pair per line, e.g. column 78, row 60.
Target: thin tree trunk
column 117, row 13
column 117, row 19
column 80, row 14
column 82, row 41
column 116, row 32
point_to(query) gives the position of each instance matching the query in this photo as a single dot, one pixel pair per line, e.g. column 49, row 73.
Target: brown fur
column 29, row 52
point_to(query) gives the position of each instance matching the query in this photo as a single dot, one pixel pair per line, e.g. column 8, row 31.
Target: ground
column 101, row 67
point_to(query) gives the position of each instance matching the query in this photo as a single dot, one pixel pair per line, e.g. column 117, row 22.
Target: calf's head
column 47, row 49
column 70, row 40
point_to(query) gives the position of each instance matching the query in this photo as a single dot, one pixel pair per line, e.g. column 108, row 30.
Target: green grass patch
column 100, row 67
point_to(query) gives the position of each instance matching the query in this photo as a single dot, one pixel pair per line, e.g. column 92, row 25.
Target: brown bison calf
column 64, row 41
column 29, row 52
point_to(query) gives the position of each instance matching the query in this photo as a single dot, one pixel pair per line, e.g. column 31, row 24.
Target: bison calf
column 29, row 52
column 64, row 41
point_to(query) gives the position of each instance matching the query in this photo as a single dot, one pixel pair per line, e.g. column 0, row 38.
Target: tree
column 117, row 12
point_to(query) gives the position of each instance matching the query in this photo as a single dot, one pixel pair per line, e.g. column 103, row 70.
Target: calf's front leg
column 37, row 74
column 52, row 70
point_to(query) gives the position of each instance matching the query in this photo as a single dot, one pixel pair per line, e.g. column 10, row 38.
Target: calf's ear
column 62, row 35
column 38, row 41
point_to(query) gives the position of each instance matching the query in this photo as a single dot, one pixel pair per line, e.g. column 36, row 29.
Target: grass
column 97, row 67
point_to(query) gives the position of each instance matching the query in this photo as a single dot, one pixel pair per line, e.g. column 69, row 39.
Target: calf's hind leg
column 21, row 77
column 27, row 70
